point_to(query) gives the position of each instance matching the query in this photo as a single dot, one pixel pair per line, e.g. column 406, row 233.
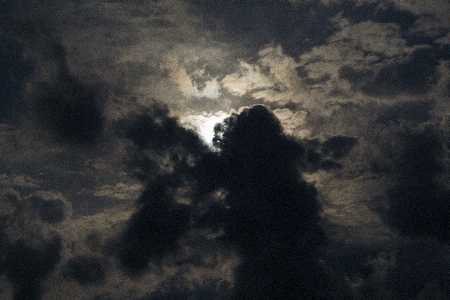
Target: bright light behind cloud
column 204, row 124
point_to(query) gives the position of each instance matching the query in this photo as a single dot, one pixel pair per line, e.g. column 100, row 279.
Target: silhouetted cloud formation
column 153, row 230
column 351, row 81
column 297, row 28
column 338, row 146
column 25, row 266
column 71, row 111
column 65, row 105
column 268, row 213
column 85, row 270
column 274, row 214
column 383, row 14
column 163, row 154
column 414, row 75
column 69, row 108
column 419, row 202
column 177, row 288
column 50, row 210
column 417, row 112
column 15, row 70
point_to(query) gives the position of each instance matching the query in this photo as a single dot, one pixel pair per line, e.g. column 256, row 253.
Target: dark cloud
column 325, row 155
column 66, row 106
column 378, row 12
column 355, row 76
column 245, row 201
column 159, row 221
column 413, row 76
column 153, row 231
column 400, row 269
column 177, row 288
column 85, row 270
column 14, row 72
column 71, row 110
column 273, row 215
column 155, row 129
column 338, row 146
column 418, row 263
column 267, row 211
column 297, row 27
column 51, row 211
column 417, row 112
column 25, row 266
column 419, row 201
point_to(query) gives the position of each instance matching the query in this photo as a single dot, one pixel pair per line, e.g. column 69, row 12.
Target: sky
column 271, row 149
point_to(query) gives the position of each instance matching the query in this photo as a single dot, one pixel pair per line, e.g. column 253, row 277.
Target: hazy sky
column 326, row 176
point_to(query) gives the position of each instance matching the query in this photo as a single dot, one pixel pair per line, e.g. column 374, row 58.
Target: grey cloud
column 85, row 270
column 50, row 211
column 297, row 28
column 197, row 206
column 26, row 266
column 416, row 112
column 414, row 76
column 15, row 71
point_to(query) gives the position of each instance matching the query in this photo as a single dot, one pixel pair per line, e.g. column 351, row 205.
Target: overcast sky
column 225, row 149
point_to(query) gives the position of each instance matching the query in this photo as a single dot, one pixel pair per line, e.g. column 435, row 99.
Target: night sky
column 271, row 149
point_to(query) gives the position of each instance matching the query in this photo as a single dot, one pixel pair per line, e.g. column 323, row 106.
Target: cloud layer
column 224, row 150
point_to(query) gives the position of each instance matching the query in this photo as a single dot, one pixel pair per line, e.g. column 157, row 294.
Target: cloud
column 293, row 122
column 85, row 270
column 374, row 37
column 405, row 269
column 15, row 71
column 417, row 112
column 65, row 105
column 153, row 231
column 23, row 181
column 26, row 266
column 69, row 108
column 187, row 85
column 160, row 221
column 71, row 111
column 208, row 289
column 273, row 79
column 50, row 210
column 414, row 76
column 204, row 124
column 249, row 78
column 419, row 199
column 250, row 189
column 297, row 27
column 121, row 191
column 273, row 215
column 338, row 146
column 337, row 75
